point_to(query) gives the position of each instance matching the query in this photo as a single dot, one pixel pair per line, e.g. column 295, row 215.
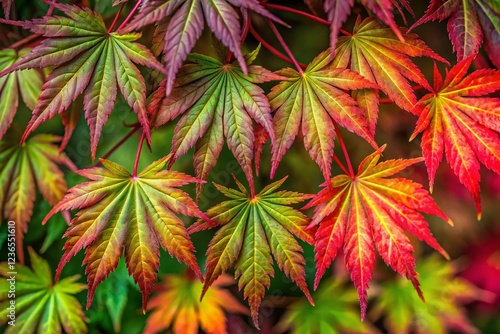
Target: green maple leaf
column 316, row 100
column 253, row 230
column 21, row 167
column 215, row 100
column 87, row 60
column 10, row 87
column 121, row 213
column 334, row 311
column 443, row 309
column 42, row 306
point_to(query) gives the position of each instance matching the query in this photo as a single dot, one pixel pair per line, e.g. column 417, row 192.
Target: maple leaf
column 215, row 100
column 30, row 81
column 21, row 166
column 315, row 100
column 337, row 12
column 376, row 53
column 469, row 22
column 88, row 60
column 120, row 213
column 333, row 312
column 177, row 302
column 455, row 120
column 186, row 20
column 360, row 212
column 42, row 306
column 253, row 228
column 443, row 310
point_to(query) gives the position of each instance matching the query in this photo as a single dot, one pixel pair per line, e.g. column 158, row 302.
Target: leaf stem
column 340, row 164
column 270, row 47
column 285, row 46
column 116, row 17
column 296, row 11
column 138, row 155
column 344, row 149
column 129, row 16
column 11, row 22
column 24, row 41
column 120, row 143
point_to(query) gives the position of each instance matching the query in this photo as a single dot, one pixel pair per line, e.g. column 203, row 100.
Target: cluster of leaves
column 212, row 100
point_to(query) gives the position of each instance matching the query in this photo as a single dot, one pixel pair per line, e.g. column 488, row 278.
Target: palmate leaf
column 443, row 311
column 457, row 120
column 88, row 60
column 215, row 100
column 120, row 213
column 186, row 20
column 10, row 87
column 21, row 167
column 41, row 305
column 334, row 312
column 337, row 12
column 362, row 212
column 177, row 304
column 469, row 23
column 315, row 100
column 253, row 230
column 378, row 55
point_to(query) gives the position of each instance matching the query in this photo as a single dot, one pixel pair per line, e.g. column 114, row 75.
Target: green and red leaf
column 358, row 213
column 87, row 60
column 254, row 229
column 314, row 100
column 120, row 213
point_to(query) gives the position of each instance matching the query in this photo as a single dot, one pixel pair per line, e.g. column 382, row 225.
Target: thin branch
column 138, row 155
column 129, row 16
column 344, row 149
column 296, row 11
column 285, row 46
column 117, row 145
column 268, row 46
column 116, row 18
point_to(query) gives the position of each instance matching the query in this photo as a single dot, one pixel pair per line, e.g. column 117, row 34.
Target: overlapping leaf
column 469, row 23
column 376, row 53
column 458, row 121
column 334, row 312
column 177, row 304
column 87, row 60
column 358, row 213
column 41, row 305
column 315, row 100
column 122, row 213
column 443, row 311
column 253, row 230
column 28, row 83
column 21, row 168
column 186, row 20
column 337, row 12
column 215, row 100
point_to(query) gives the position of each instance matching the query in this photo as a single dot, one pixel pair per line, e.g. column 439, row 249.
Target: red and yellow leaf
column 358, row 213
column 254, row 229
column 120, row 213
column 378, row 55
column 457, row 120
column 177, row 305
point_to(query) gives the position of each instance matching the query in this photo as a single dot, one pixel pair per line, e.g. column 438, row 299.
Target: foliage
column 188, row 76
column 41, row 305
column 177, row 303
